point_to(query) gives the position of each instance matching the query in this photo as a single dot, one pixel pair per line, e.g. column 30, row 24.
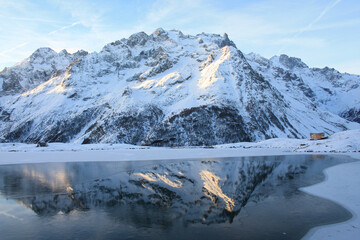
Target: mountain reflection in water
column 162, row 194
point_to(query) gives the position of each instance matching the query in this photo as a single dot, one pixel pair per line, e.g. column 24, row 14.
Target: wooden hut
column 317, row 136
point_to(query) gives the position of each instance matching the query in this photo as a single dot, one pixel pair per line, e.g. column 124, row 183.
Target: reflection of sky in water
column 157, row 195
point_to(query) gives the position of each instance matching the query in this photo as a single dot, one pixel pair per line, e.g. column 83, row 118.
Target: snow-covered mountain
column 327, row 88
column 43, row 64
column 171, row 89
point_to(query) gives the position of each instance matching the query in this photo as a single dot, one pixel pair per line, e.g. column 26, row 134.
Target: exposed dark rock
column 206, row 125
column 20, row 133
column 352, row 115
column 128, row 127
column 11, row 82
column 65, row 130
column 137, row 39
column 291, row 62
column 159, row 35
column 331, row 75
column 53, row 130
column 226, row 42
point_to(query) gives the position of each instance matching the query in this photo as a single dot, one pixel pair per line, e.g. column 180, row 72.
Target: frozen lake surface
column 219, row 198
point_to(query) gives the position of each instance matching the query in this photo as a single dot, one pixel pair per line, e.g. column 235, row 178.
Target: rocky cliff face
column 171, row 89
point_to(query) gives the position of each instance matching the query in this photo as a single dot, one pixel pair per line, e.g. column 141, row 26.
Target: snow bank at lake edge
column 342, row 142
column 341, row 186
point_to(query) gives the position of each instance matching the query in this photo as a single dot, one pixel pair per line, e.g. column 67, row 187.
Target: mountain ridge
column 171, row 89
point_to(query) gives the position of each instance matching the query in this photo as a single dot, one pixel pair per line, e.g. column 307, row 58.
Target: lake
column 220, row 198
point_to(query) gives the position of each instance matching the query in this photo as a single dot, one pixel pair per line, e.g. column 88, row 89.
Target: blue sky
column 320, row 32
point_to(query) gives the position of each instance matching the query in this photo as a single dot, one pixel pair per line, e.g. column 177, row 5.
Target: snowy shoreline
column 341, row 183
column 13, row 153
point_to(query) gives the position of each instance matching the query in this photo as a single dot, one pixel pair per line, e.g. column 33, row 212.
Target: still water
column 222, row 198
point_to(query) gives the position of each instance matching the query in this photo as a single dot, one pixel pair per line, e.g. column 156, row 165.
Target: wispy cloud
column 340, row 24
column 84, row 12
column 261, row 26
column 163, row 9
column 43, row 20
column 308, row 27
column 64, row 27
column 311, row 24
column 3, row 53
column 21, row 45
column 203, row 16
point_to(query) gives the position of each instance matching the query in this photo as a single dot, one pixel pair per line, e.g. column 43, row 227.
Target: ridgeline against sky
column 172, row 89
column 322, row 33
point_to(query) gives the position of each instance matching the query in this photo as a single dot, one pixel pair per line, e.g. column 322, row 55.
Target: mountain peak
column 159, row 31
column 42, row 53
column 64, row 51
column 289, row 62
column 139, row 38
column 226, row 41
column 36, row 69
column 167, row 89
column 44, row 50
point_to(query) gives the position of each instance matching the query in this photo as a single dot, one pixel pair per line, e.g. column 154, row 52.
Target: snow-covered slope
column 171, row 89
column 326, row 88
column 36, row 69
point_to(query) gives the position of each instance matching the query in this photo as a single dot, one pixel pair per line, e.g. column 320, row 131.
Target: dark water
column 228, row 198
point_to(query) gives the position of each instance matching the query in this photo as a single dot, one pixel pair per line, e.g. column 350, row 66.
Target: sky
column 320, row 32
